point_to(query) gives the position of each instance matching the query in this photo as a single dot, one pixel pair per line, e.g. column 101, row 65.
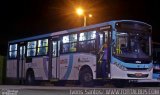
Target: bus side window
column 69, row 43
column 73, row 47
column 65, row 48
column 73, row 42
column 13, row 51
column 91, row 40
column 32, row 52
column 87, row 41
column 82, row 46
column 42, row 47
column 31, row 48
column 65, row 44
column 91, row 45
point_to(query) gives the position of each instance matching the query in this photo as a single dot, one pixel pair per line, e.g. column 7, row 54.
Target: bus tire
column 86, row 77
column 30, row 78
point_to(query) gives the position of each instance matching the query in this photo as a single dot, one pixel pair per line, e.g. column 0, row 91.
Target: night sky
column 25, row 18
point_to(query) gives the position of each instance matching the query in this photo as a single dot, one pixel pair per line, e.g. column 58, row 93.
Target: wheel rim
column 29, row 79
column 87, row 77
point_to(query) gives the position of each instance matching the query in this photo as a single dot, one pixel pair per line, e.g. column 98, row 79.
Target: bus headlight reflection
column 120, row 66
column 150, row 68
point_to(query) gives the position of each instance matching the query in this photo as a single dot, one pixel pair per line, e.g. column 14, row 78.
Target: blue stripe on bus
column 68, row 72
column 131, row 65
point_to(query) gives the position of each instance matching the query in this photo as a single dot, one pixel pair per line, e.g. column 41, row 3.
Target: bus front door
column 53, row 59
column 20, row 64
column 103, row 67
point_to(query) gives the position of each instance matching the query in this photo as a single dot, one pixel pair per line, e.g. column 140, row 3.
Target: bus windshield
column 132, row 44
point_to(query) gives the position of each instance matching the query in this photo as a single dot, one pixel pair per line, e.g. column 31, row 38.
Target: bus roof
column 72, row 30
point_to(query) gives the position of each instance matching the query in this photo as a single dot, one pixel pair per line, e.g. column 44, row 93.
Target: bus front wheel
column 86, row 77
column 30, row 78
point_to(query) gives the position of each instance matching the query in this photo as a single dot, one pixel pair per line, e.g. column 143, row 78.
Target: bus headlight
column 120, row 66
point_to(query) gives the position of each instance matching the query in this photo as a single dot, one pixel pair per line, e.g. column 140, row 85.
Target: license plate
column 138, row 74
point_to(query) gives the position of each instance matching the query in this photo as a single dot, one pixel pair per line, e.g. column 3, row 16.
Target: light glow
column 80, row 11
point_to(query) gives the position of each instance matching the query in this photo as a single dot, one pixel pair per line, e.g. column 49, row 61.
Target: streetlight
column 80, row 12
column 90, row 15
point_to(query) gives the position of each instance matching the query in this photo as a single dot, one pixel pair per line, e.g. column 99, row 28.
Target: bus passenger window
column 65, row 48
column 82, row 36
column 73, row 47
column 42, row 47
column 13, row 54
column 42, row 50
column 65, row 44
column 91, row 35
column 73, row 38
column 31, row 48
column 91, row 45
column 66, row 39
column 87, row 41
column 69, row 43
column 31, row 52
column 13, row 51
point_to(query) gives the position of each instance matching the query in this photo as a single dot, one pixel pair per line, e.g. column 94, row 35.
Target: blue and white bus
column 74, row 54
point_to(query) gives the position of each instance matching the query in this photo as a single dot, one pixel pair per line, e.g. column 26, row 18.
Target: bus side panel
column 84, row 59
column 70, row 65
column 55, row 67
column 65, row 68
column 11, row 69
column 40, row 67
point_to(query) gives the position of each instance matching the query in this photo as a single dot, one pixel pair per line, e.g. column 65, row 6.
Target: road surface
column 53, row 90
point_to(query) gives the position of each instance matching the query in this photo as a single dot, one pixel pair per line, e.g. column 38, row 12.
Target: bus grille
column 135, row 76
column 137, row 68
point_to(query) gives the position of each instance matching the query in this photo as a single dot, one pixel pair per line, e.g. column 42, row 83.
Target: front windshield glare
column 131, row 45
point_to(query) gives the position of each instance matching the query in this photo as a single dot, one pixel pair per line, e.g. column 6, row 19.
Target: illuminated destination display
column 132, row 26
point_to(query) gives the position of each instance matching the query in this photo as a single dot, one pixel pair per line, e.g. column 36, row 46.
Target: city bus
column 76, row 54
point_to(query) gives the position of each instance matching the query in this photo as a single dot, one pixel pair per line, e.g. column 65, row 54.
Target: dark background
column 25, row 18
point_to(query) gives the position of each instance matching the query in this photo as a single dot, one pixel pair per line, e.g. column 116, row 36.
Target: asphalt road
column 53, row 90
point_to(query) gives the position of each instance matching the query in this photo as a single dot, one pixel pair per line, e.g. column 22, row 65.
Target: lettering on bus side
column 82, row 60
column 64, row 61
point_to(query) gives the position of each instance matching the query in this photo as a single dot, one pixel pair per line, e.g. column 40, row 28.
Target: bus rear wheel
column 30, row 78
column 86, row 77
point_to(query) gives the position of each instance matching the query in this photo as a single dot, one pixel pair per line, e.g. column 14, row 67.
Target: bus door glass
column 104, row 36
column 54, row 57
column 21, row 60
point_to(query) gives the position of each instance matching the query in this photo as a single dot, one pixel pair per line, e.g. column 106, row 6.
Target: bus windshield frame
column 131, row 45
